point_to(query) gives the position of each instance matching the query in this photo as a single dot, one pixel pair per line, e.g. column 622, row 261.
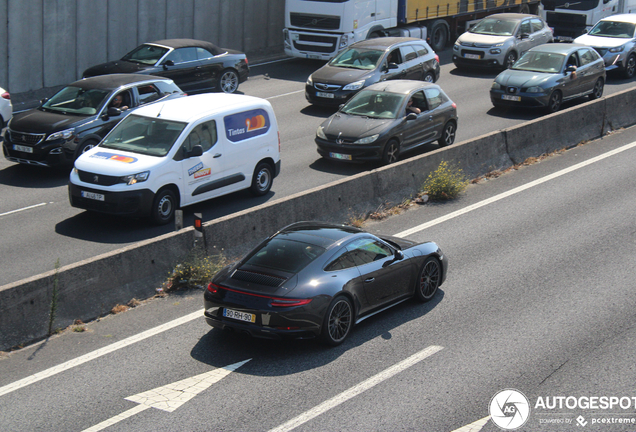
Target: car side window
column 586, row 56
column 434, row 97
column 537, row 24
column 203, row 54
column 365, row 251
column 419, row 101
column 421, row 50
column 408, row 53
column 525, row 28
column 394, row 57
column 183, row 55
column 343, row 261
column 148, row 93
column 203, row 134
column 572, row 60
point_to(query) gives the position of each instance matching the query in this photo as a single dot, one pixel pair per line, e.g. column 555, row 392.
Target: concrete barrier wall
column 48, row 43
column 91, row 288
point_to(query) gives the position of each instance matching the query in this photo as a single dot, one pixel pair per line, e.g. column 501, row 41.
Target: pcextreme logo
column 509, row 409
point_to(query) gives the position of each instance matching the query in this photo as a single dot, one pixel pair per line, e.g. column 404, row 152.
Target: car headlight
column 286, row 36
column 367, row 140
column 534, row 89
column 498, row 44
column 456, row 46
column 496, row 86
column 135, row 178
column 354, row 85
column 320, row 133
column 310, row 82
column 344, row 40
column 495, row 51
column 65, row 134
column 617, row 49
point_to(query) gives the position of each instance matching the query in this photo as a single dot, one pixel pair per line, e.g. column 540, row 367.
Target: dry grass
column 119, row 309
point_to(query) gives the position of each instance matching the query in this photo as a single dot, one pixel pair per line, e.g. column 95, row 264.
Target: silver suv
column 499, row 40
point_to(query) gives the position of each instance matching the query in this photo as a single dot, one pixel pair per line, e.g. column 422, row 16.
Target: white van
column 179, row 152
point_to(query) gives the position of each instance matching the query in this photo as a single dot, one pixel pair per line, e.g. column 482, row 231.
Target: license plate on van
column 92, row 195
column 325, row 95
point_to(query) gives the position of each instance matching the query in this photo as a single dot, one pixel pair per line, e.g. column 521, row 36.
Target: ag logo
column 509, row 409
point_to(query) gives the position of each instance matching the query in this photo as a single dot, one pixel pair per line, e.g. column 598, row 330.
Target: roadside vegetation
column 196, row 271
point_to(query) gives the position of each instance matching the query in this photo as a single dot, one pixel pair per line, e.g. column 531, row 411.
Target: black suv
column 77, row 117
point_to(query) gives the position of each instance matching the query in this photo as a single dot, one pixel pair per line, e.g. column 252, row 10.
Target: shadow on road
column 33, row 177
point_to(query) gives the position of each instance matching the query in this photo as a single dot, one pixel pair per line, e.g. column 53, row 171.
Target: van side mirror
column 197, row 150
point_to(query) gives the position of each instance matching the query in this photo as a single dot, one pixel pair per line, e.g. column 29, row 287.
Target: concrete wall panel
column 4, row 44
column 92, row 34
column 254, row 32
column 621, row 112
column 122, row 27
column 59, row 40
column 207, row 20
column 152, row 20
column 180, row 19
column 231, row 24
column 25, row 45
column 275, row 25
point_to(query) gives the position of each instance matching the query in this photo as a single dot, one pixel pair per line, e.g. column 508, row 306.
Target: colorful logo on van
column 195, row 168
column 247, row 124
column 114, row 157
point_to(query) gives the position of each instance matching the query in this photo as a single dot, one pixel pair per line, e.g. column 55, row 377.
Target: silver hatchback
column 499, row 40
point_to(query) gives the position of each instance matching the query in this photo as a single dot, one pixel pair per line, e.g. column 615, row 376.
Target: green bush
column 445, row 183
column 196, row 270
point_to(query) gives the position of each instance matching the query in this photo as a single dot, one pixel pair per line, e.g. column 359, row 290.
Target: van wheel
column 163, row 207
column 262, row 179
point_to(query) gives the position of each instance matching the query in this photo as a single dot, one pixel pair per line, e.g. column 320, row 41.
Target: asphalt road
column 539, row 298
column 39, row 227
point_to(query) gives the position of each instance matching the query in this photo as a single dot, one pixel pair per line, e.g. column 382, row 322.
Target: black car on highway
column 370, row 61
column 77, row 117
column 193, row 65
column 317, row 279
column 386, row 119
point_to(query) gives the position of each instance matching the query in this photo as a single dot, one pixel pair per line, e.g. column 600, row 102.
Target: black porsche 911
column 193, row 65
column 314, row 279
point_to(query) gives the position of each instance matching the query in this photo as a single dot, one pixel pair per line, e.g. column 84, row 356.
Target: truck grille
column 308, row 46
column 323, row 22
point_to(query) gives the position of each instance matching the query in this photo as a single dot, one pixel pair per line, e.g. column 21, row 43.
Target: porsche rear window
column 285, row 255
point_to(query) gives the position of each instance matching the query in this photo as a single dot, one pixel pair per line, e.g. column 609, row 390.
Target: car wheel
column 391, row 152
column 630, row 67
column 597, row 91
column 262, row 179
column 438, row 35
column 555, row 101
column 163, row 207
column 429, row 77
column 229, row 81
column 511, row 58
column 338, row 321
column 428, row 280
column 448, row 134
column 84, row 147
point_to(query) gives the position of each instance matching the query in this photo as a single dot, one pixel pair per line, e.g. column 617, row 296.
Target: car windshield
column 613, row 29
column 144, row 135
column 495, row 27
column 285, row 255
column 76, row 100
column 537, row 61
column 375, row 104
column 146, row 54
column 358, row 58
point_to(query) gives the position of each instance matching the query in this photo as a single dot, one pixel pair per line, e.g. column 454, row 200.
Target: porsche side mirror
column 399, row 255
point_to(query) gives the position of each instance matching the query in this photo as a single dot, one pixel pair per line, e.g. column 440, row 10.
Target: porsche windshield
column 358, row 58
column 144, row 135
column 537, row 61
column 495, row 27
column 76, row 100
column 375, row 104
column 146, row 54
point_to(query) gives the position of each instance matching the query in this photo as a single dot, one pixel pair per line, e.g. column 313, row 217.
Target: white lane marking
column 514, row 191
column 357, row 389
column 285, row 94
column 98, row 353
column 474, row 426
column 170, row 397
column 22, row 209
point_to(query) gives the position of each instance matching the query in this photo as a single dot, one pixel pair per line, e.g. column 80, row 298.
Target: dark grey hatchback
column 386, row 119
column 370, row 61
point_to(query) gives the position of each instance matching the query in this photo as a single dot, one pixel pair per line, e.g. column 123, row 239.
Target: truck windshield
column 580, row 5
column 357, row 58
column 144, row 135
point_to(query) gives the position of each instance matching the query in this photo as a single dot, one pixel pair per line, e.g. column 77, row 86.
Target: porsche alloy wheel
column 429, row 280
column 338, row 321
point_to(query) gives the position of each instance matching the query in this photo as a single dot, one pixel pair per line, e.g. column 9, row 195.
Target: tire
column 438, row 35
column 338, row 321
column 84, row 147
column 391, row 152
column 429, row 77
column 374, row 35
column 262, row 179
column 428, row 281
column 163, row 207
column 510, row 59
column 630, row 67
column 229, row 81
column 597, row 91
column 448, row 134
column 555, row 101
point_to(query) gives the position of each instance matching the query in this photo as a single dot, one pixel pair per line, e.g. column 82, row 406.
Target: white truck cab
column 177, row 153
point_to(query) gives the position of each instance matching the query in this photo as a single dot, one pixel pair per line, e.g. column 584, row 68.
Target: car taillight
column 247, row 61
column 6, row 95
column 454, row 105
column 213, row 288
column 436, row 58
column 289, row 303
